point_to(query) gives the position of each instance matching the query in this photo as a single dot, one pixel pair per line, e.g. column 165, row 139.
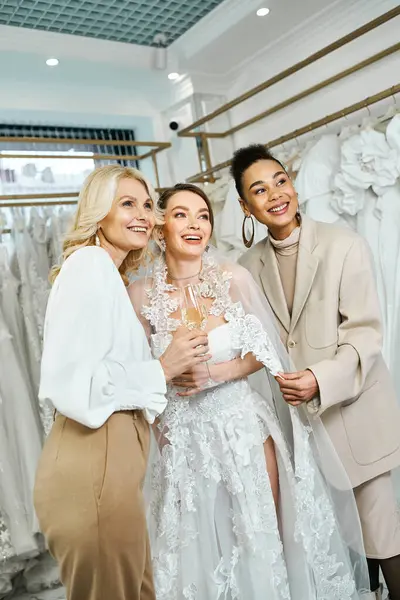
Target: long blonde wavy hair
column 96, row 199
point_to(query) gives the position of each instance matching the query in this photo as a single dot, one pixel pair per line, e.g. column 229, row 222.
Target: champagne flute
column 194, row 311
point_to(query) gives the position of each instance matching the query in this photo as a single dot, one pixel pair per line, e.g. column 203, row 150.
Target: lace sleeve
column 250, row 336
column 253, row 322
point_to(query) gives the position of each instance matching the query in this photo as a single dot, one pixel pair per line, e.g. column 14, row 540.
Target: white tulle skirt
column 214, row 530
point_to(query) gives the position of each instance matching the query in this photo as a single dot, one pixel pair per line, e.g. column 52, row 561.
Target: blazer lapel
column 271, row 282
column 307, row 265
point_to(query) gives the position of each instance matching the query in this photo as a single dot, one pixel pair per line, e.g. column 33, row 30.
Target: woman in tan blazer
column 319, row 282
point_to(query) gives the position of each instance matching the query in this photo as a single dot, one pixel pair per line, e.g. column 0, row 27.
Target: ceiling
column 130, row 21
column 222, row 55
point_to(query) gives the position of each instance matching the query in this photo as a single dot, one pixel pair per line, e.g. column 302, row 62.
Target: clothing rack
column 340, row 114
column 29, row 201
column 155, row 148
column 32, row 200
column 301, row 95
column 197, row 128
column 339, row 43
column 32, row 204
column 48, row 196
column 49, row 199
column 315, row 88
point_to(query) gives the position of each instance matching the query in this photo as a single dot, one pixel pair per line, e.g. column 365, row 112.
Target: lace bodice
column 219, row 341
column 210, row 403
column 242, row 333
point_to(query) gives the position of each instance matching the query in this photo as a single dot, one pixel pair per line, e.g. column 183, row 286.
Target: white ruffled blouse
column 96, row 359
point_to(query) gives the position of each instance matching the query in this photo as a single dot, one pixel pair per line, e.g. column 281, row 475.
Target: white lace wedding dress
column 212, row 521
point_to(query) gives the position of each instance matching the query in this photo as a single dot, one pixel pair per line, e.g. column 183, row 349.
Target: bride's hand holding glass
column 196, row 380
column 189, row 347
column 237, row 368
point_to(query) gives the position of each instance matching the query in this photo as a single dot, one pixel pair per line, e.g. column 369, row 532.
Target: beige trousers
column 379, row 517
column 88, row 498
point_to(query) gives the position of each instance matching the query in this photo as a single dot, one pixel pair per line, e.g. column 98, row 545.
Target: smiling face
column 270, row 197
column 131, row 220
column 187, row 229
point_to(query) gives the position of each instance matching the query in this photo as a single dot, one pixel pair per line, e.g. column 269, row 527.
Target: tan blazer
column 335, row 331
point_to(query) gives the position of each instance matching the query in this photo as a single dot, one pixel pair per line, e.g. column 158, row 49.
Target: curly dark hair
column 244, row 158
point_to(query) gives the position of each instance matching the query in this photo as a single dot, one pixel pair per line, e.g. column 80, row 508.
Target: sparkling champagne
column 192, row 317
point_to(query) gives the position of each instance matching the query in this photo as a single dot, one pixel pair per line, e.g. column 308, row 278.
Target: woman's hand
column 187, row 349
column 197, row 379
column 299, row 387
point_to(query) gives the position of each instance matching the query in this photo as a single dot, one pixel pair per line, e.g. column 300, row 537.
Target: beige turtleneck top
column 286, row 252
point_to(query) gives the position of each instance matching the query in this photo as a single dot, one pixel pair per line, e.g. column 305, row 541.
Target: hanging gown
column 217, row 192
column 388, row 206
column 292, row 157
column 39, row 235
column 19, row 414
column 59, row 223
column 9, row 302
column 368, row 168
column 315, row 181
column 20, row 448
column 34, row 294
column 347, row 200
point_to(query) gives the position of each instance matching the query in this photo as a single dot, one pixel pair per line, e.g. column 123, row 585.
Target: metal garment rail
column 29, row 200
column 50, row 199
column 156, row 147
column 344, row 112
column 316, row 88
column 370, row 26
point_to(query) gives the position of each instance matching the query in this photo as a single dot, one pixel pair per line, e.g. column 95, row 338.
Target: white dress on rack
column 368, row 170
column 59, row 223
column 214, row 532
column 217, row 193
column 315, row 181
column 34, row 293
column 40, row 240
column 20, row 448
column 388, row 205
column 9, row 302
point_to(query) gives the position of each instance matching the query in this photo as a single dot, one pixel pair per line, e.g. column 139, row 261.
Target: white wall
column 176, row 163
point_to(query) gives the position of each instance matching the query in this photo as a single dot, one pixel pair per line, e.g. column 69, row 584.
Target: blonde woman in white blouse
column 98, row 372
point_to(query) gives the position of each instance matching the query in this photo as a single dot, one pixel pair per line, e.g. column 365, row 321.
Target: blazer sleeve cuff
column 336, row 379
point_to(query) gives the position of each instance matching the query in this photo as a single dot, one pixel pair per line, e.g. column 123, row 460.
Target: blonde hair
column 96, row 199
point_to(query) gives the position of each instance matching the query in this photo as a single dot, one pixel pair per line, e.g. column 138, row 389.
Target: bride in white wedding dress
column 238, row 506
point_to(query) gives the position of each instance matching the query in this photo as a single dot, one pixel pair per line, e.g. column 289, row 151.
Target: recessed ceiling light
column 173, row 76
column 262, row 12
column 52, row 62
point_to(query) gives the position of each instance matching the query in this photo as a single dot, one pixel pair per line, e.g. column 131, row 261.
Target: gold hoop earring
column 246, row 242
